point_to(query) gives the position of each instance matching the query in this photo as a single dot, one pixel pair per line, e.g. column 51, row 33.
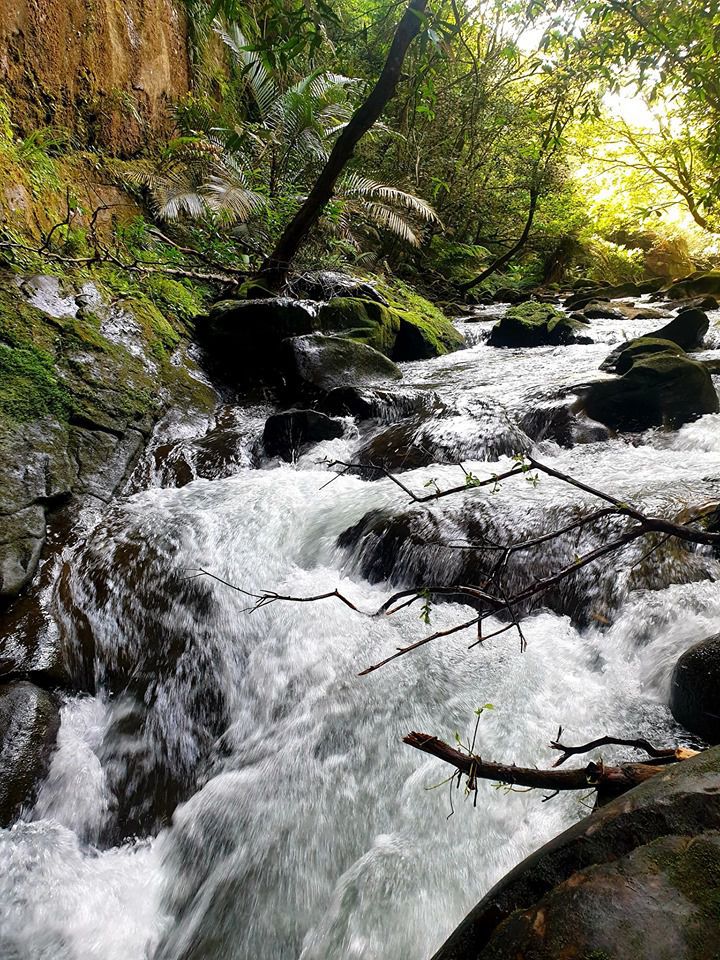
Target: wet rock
column 29, row 722
column 484, row 433
column 623, row 357
column 317, row 364
column 641, row 873
column 687, row 329
column 244, row 336
column 364, row 321
column 660, row 389
column 287, row 432
column 328, row 284
column 366, row 403
column 702, row 283
column 595, row 310
column 644, row 313
column 700, row 303
column 695, row 689
column 534, row 325
column 616, row 292
column 21, row 541
column 510, row 295
column 558, row 422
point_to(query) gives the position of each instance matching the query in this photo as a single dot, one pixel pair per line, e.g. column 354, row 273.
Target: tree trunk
column 516, row 247
column 274, row 271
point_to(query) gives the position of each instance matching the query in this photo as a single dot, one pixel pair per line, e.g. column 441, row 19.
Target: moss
column 30, row 388
column 533, row 324
column 364, row 321
column 425, row 330
column 181, row 300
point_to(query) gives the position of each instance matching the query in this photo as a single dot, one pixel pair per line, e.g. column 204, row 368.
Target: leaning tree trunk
column 516, row 247
column 274, row 271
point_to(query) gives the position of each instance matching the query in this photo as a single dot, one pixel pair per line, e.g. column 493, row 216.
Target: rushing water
column 306, row 830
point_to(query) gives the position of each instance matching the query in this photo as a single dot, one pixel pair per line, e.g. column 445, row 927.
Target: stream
column 305, row 829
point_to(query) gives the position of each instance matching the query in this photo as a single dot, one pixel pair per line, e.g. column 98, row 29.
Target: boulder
column 616, row 292
column 623, row 356
column 317, row 364
column 597, row 310
column 244, row 336
column 328, row 284
column 510, row 295
column 363, row 321
column 535, row 325
column 700, row 303
column 285, row 433
column 695, row 689
column 29, row 723
column 686, row 330
column 639, row 879
column 660, row 389
column 698, row 284
column 558, row 422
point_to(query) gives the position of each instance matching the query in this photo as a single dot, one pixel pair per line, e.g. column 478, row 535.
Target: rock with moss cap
column 702, row 283
column 364, row 321
column 639, row 879
column 316, row 364
column 534, row 325
column 664, row 388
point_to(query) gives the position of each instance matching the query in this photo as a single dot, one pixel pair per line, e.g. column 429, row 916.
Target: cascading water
column 305, row 829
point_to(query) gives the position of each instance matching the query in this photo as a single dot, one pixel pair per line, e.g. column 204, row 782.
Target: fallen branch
column 610, row 781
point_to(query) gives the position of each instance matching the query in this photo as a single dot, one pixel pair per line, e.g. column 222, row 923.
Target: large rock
column 695, row 689
column 659, row 389
column 364, row 321
column 244, row 336
column 287, row 432
column 639, row 879
column 699, row 284
column 317, row 364
column 687, row 329
column 328, row 284
column 623, row 356
column 534, row 325
column 29, row 722
column 617, row 292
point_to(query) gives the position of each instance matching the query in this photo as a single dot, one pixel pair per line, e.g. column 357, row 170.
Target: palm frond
column 354, row 184
column 260, row 83
column 387, row 218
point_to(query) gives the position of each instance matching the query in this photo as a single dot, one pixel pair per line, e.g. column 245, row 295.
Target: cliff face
column 104, row 69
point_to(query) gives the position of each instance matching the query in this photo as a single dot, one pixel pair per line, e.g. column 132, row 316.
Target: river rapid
column 305, row 829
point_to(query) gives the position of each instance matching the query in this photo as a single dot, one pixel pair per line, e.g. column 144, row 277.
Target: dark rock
column 695, row 689
column 244, row 336
column 699, row 284
column 29, row 723
column 661, row 389
column 623, row 356
column 687, row 329
column 534, row 325
column 638, row 874
column 616, row 292
column 595, row 310
column 317, row 364
column 510, row 295
column 285, row 433
column 558, row 422
column 700, row 303
column 327, row 284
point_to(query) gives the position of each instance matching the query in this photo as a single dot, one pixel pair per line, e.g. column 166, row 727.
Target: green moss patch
column 29, row 387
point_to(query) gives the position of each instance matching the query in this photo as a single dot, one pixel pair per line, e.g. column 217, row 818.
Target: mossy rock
column 316, row 364
column 623, row 357
column 243, row 337
column 639, row 875
column 425, row 331
column 534, row 324
column 700, row 284
column 364, row 321
column 659, row 389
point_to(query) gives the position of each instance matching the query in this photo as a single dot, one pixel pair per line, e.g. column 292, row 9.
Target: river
column 306, row 829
